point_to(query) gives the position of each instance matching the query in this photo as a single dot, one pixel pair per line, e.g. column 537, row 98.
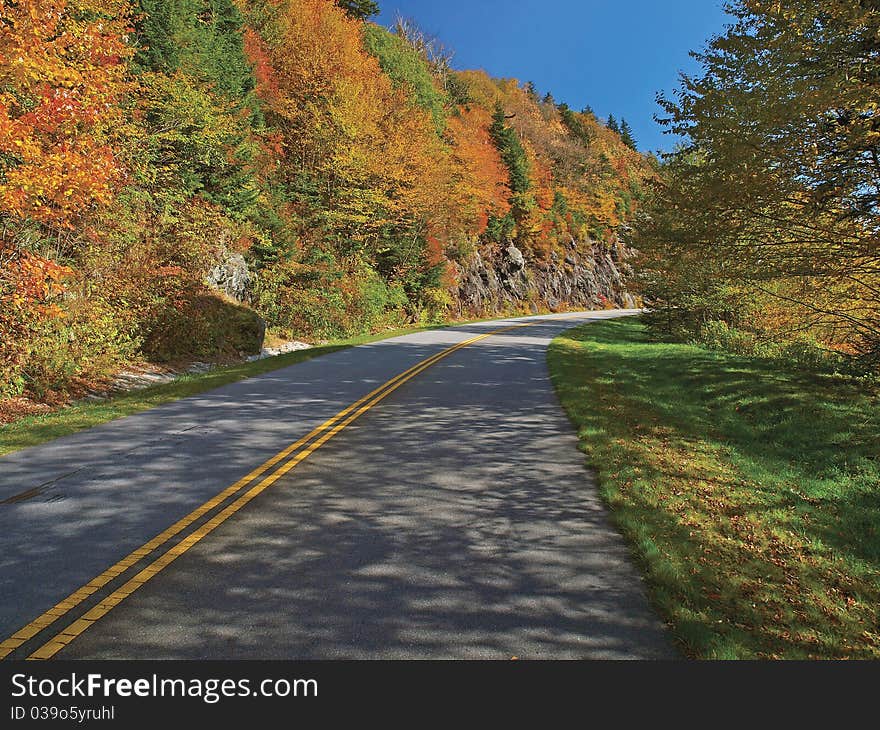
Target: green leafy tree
column 198, row 102
column 407, row 69
column 575, row 124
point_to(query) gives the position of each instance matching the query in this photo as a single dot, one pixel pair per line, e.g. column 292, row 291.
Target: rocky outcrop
column 231, row 276
column 587, row 275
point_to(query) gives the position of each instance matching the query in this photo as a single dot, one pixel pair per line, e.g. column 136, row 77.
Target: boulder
column 516, row 261
column 232, row 277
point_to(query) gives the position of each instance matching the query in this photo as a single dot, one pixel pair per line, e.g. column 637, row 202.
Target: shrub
column 436, row 305
column 86, row 344
column 325, row 300
column 802, row 350
column 200, row 324
column 718, row 335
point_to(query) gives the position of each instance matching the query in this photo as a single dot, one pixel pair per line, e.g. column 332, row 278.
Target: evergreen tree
column 361, row 9
column 512, row 153
column 201, row 107
column 202, row 38
column 155, row 27
column 522, row 201
column 612, row 124
column 532, row 91
column 626, row 134
column 574, row 124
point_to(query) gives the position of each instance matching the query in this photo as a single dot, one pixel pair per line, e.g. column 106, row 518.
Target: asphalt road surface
column 452, row 517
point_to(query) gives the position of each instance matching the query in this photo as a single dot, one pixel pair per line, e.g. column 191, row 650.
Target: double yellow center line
column 288, row 458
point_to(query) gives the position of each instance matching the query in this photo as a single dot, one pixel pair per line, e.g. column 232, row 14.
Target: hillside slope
column 177, row 177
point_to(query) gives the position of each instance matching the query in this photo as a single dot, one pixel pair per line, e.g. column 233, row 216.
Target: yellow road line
column 77, row 627
column 74, row 599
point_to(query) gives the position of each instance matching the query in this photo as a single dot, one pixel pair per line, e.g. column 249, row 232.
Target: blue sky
column 611, row 54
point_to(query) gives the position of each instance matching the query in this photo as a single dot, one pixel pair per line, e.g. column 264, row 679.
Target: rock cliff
column 588, row 275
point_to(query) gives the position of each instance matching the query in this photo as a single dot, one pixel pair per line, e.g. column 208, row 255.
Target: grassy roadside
column 750, row 495
column 38, row 429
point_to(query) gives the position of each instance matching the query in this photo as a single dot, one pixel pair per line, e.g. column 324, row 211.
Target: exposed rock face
column 589, row 275
column 232, row 277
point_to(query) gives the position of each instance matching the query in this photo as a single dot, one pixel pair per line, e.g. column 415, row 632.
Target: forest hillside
column 178, row 177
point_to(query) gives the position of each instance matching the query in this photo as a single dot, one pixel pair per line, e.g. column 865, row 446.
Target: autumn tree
column 62, row 73
column 366, row 171
column 780, row 166
column 146, row 145
column 62, row 81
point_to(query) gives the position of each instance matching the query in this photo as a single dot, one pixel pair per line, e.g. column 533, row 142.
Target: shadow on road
column 454, row 520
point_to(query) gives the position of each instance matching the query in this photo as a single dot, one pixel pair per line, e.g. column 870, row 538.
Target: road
column 448, row 515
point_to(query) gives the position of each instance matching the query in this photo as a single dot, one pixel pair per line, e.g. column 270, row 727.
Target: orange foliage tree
column 62, row 76
column 62, row 73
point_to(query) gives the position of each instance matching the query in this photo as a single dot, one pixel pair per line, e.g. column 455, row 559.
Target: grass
column 37, row 429
column 749, row 494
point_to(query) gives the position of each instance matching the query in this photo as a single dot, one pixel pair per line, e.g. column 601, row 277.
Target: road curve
column 451, row 518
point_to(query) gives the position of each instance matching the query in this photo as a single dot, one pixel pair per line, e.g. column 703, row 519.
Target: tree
column 512, row 152
column 61, row 82
column 155, row 26
column 626, row 134
column 612, row 124
column 360, row 9
column 575, row 124
column 146, row 144
column 407, row 68
column 779, row 182
column 522, row 201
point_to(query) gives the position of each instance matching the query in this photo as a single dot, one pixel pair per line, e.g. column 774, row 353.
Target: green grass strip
column 748, row 492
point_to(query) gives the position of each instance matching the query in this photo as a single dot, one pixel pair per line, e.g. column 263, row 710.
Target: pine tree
column 512, row 152
column 155, row 26
column 626, row 134
column 360, row 9
column 612, row 124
